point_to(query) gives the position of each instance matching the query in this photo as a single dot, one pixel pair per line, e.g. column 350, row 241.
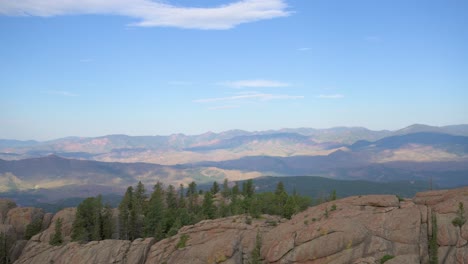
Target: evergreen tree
column 235, row 189
column 256, row 257
column 107, row 225
column 33, row 228
column 96, row 234
column 433, row 246
column 154, row 218
column 289, row 207
column 171, row 211
column 208, row 207
column 125, row 209
column 333, row 195
column 215, row 188
column 226, row 192
column 192, row 196
column 281, row 197
column 181, row 202
column 248, row 189
column 139, row 207
column 88, row 221
column 460, row 220
column 5, row 245
column 57, row 238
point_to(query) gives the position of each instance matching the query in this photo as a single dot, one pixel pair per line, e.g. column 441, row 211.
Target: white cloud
column 154, row 13
column 86, row 60
column 375, row 39
column 257, row 83
column 330, row 96
column 223, row 107
column 304, row 49
column 255, row 96
column 62, row 93
column 179, row 83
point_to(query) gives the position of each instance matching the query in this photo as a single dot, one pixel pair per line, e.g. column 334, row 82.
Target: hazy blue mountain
column 438, row 140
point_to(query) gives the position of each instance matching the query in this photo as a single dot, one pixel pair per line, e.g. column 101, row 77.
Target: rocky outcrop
column 357, row 230
column 226, row 240
column 68, row 216
column 20, row 217
column 452, row 240
column 5, row 206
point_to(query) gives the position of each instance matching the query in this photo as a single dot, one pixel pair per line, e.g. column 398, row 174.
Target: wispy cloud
column 222, row 107
column 179, row 83
column 375, row 39
column 304, row 49
column 62, row 93
column 256, row 83
column 86, row 60
column 255, row 96
column 154, row 13
column 330, row 96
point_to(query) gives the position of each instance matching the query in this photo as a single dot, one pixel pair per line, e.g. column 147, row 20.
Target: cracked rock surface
column 357, row 230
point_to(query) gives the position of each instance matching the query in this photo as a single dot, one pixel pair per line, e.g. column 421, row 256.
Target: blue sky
column 91, row 68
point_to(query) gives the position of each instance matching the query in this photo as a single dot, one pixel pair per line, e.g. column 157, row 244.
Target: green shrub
column 386, row 258
column 33, row 228
column 333, row 207
column 460, row 219
column 182, row 241
column 271, row 222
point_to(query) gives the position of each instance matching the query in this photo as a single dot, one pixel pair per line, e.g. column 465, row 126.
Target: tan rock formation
column 357, row 230
column 5, row 206
column 20, row 217
column 68, row 216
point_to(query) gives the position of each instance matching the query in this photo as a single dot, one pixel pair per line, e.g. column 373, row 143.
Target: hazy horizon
column 222, row 131
column 159, row 68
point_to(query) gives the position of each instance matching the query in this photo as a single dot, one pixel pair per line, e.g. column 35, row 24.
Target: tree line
column 166, row 209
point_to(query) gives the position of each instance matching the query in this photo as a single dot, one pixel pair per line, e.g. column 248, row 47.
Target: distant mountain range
column 233, row 144
column 415, row 153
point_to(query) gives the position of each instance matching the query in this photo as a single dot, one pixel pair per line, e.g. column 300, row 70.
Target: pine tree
column 235, row 189
column 460, row 220
column 248, row 189
column 155, row 213
column 281, row 197
column 226, row 192
column 433, row 246
column 125, row 208
column 107, row 225
column 57, row 238
column 181, row 202
column 33, row 228
column 256, row 257
column 5, row 245
column 215, row 188
column 289, row 207
column 208, row 207
column 88, row 221
column 333, row 195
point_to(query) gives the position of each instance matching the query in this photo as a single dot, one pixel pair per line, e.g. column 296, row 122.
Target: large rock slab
column 5, row 206
column 68, row 216
column 106, row 251
column 20, row 217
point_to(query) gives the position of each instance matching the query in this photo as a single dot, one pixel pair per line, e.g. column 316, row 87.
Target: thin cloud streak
column 256, row 96
column 256, row 83
column 62, row 93
column 179, row 83
column 304, row 49
column 223, row 107
column 330, row 96
column 154, row 13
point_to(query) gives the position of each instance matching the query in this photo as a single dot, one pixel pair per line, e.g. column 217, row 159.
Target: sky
column 140, row 67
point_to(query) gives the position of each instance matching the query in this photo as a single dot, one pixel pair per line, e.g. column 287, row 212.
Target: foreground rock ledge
column 354, row 230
